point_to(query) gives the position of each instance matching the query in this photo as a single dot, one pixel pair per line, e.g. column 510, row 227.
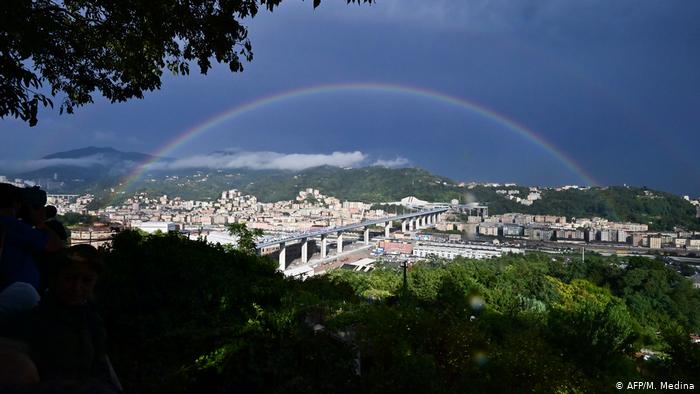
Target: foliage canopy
column 117, row 48
column 187, row 316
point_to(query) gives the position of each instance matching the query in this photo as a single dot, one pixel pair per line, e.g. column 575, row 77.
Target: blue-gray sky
column 613, row 85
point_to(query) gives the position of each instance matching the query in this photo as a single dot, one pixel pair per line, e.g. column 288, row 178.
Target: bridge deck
column 330, row 230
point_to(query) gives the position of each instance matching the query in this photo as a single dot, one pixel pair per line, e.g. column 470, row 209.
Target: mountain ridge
column 371, row 184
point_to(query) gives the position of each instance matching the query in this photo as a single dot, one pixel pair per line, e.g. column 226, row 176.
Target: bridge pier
column 339, row 243
column 324, row 246
column 304, row 250
column 387, row 229
column 403, row 225
column 283, row 257
column 366, row 233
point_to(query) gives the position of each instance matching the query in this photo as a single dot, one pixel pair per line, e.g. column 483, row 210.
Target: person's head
column 75, row 275
column 50, row 211
column 9, row 198
column 33, row 201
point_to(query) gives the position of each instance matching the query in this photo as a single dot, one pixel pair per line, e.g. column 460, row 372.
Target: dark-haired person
column 65, row 334
column 52, row 223
column 19, row 275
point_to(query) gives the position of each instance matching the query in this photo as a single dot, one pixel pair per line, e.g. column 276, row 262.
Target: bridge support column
column 366, row 233
column 304, row 250
column 340, row 243
column 324, row 246
column 283, row 257
column 387, row 229
column 403, row 226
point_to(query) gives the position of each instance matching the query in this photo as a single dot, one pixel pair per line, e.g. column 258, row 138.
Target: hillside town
column 311, row 209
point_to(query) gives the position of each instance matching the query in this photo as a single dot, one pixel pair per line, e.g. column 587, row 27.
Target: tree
column 246, row 237
column 119, row 48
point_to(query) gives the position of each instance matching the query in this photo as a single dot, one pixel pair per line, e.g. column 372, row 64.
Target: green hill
column 369, row 184
column 662, row 211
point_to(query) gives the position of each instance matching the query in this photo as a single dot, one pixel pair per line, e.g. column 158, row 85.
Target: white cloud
column 31, row 165
column 226, row 159
column 395, row 163
column 263, row 160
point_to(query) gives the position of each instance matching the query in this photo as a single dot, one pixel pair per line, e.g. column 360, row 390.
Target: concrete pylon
column 283, row 257
column 324, row 246
column 410, row 224
column 340, row 243
column 304, row 250
column 366, row 233
column 403, row 225
column 387, row 229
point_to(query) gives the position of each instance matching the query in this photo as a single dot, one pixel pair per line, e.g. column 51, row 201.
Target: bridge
column 471, row 209
column 410, row 221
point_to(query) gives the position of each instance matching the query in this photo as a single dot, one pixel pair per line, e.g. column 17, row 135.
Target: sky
column 558, row 91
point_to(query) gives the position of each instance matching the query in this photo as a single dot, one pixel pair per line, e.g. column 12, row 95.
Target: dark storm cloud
column 611, row 84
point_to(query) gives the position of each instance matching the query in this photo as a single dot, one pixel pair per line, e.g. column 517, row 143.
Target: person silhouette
column 54, row 225
column 19, row 275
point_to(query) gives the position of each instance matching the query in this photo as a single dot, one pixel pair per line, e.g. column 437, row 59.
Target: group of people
column 50, row 333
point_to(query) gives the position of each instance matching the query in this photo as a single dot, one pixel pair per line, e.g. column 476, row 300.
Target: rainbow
column 418, row 92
